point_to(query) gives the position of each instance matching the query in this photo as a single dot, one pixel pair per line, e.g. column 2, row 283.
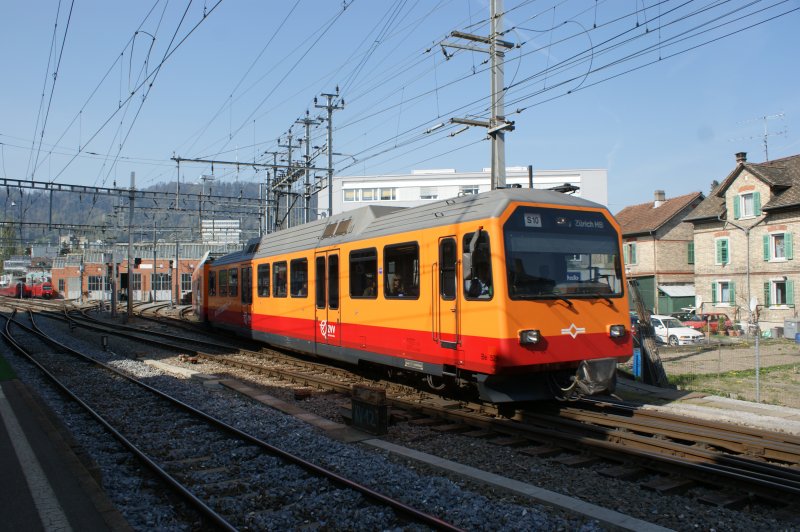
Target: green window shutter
column 766, row 294
column 766, row 247
column 626, row 256
column 736, row 208
column 633, row 254
column 790, row 293
column 719, row 251
column 787, row 241
column 713, row 293
column 725, row 252
column 732, row 291
column 690, row 253
column 757, row 203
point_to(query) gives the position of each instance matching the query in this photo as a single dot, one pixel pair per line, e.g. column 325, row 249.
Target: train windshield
column 559, row 253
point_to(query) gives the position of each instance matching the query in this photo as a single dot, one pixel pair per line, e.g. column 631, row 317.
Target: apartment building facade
column 744, row 234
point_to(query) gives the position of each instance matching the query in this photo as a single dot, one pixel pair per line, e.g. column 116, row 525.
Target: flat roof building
column 421, row 186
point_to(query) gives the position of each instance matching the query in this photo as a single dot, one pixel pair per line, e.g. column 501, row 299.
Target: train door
column 246, row 277
column 327, row 303
column 73, row 287
column 445, row 297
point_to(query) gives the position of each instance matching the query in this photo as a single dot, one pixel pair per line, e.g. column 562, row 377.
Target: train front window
column 558, row 253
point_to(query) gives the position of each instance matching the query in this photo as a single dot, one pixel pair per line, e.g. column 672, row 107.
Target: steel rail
column 171, row 481
column 371, row 494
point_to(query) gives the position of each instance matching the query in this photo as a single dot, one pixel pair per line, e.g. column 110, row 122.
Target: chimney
column 658, row 198
column 741, row 157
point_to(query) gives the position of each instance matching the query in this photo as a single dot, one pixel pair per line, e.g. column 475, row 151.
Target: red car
column 699, row 321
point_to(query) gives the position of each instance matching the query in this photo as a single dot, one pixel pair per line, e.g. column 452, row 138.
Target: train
column 14, row 287
column 19, row 287
column 41, row 288
column 512, row 295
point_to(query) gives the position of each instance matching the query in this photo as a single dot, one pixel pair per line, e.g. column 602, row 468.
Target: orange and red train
column 517, row 293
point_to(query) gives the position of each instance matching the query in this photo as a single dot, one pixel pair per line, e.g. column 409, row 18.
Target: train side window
column 447, row 269
column 333, row 281
column 319, row 278
column 299, row 280
column 233, row 282
column 212, row 283
column 478, row 281
column 247, row 284
column 279, row 279
column 364, row 273
column 401, row 271
column 223, row 283
column 263, row 280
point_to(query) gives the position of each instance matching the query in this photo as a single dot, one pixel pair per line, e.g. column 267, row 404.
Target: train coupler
column 597, row 376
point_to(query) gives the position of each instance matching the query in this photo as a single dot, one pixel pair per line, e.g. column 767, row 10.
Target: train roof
column 379, row 220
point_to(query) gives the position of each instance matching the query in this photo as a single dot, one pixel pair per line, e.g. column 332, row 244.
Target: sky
column 662, row 94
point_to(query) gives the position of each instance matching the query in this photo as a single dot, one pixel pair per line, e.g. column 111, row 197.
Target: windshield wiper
column 564, row 299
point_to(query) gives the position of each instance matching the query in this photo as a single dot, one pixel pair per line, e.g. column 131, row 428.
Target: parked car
column 668, row 330
column 699, row 321
column 683, row 316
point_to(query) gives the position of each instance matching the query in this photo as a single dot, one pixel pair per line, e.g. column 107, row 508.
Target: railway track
column 164, row 433
column 746, row 461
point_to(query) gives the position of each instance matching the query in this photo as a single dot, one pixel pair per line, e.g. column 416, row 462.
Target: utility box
column 790, row 328
column 369, row 409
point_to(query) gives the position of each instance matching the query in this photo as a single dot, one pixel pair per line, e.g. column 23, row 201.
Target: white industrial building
column 420, row 186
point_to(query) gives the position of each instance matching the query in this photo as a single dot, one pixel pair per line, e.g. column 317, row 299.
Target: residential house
column 744, row 241
column 658, row 250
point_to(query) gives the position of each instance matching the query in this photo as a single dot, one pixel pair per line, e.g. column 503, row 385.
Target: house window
column 161, row 281
column 747, row 205
column 351, row 194
column 428, row 192
column 723, row 293
column 388, row 194
column 779, row 293
column 723, row 255
column 468, row 190
column 629, row 253
column 778, row 246
column 690, row 253
column 96, row 283
column 186, row 282
column 61, row 285
column 369, row 194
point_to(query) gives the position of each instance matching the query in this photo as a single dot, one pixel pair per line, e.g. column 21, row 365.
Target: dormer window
column 747, row 205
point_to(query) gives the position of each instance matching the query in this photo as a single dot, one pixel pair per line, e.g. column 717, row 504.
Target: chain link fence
column 726, row 366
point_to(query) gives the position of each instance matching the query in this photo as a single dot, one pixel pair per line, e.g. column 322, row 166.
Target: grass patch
column 687, row 378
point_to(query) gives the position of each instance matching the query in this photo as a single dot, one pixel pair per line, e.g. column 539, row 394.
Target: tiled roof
column 646, row 217
column 710, row 208
column 782, row 176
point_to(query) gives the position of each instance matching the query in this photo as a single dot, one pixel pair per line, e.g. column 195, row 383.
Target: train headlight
column 530, row 336
column 616, row 331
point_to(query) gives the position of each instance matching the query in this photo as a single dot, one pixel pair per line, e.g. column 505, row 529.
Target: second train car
column 516, row 293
